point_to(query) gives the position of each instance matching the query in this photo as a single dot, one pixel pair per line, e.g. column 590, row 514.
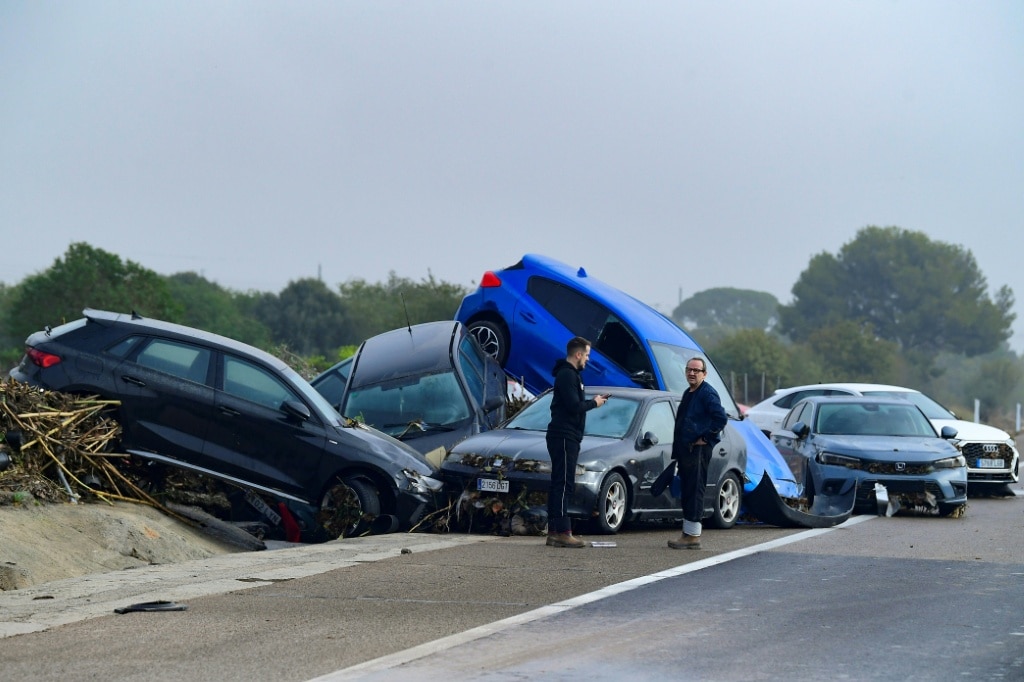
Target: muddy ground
column 42, row 542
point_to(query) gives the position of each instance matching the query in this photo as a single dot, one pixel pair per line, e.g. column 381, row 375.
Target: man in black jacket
column 699, row 424
column 569, row 408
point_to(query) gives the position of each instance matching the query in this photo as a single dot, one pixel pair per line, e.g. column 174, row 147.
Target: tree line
column 306, row 318
column 892, row 306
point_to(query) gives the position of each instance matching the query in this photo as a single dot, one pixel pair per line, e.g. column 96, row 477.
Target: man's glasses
column 695, row 370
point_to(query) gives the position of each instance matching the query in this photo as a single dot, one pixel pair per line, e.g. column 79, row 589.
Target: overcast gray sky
column 668, row 147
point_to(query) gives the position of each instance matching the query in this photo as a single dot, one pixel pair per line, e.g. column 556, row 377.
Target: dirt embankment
column 43, row 542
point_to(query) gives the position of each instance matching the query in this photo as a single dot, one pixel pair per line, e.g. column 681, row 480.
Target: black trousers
column 693, row 479
column 564, row 453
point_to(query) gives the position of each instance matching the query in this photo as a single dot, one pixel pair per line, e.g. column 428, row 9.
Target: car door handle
column 229, row 412
column 132, row 380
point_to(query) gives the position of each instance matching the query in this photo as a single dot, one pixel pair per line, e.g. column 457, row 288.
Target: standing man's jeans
column 693, row 477
column 564, row 453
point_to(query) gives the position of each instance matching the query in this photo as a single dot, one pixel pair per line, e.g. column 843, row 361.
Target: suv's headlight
column 951, row 462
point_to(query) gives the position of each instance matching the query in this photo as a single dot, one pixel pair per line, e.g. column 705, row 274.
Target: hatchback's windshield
column 872, row 419
column 434, row 400
column 612, row 420
column 672, row 365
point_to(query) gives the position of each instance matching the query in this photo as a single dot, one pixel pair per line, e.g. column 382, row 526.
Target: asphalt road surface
column 901, row 598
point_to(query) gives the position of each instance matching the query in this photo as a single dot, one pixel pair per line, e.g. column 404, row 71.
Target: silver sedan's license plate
column 492, row 486
column 990, row 463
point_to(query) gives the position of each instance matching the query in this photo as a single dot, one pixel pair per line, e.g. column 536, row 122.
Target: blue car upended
column 525, row 314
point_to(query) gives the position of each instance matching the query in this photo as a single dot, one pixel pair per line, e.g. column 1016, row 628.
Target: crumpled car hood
column 888, row 448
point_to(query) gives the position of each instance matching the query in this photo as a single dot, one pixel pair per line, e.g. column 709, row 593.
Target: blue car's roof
column 651, row 324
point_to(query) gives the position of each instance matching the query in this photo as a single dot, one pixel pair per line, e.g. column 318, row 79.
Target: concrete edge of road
column 41, row 607
column 394, row 660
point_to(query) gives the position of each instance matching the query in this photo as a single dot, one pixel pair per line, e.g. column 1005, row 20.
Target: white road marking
column 438, row 645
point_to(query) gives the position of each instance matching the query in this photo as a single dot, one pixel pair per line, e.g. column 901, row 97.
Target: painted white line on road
column 438, row 645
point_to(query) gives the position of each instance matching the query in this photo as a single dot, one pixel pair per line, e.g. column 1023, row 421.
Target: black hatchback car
column 430, row 385
column 221, row 408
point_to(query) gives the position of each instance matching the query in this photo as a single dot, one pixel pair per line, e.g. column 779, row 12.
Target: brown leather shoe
column 564, row 540
column 685, row 542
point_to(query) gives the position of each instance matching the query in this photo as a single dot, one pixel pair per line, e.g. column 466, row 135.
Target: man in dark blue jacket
column 699, row 425
column 569, row 408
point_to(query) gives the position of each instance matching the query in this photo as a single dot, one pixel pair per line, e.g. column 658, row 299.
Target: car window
column 533, row 417
column 788, row 401
column 580, row 314
column 803, row 413
column 472, row 363
column 613, row 419
column 672, row 361
column 253, row 383
column 931, row 409
column 661, row 421
column 392, row 406
column 181, row 360
column 869, row 419
column 617, row 342
column 124, row 347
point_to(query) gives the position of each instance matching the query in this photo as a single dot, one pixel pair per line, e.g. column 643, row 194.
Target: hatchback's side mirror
column 493, row 402
column 801, row 429
column 296, row 409
column 648, row 440
column 948, row 432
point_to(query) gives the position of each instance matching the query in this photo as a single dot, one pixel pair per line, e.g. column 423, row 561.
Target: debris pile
column 63, row 448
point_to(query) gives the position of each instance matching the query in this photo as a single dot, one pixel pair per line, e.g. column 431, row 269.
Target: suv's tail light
column 42, row 358
column 489, row 280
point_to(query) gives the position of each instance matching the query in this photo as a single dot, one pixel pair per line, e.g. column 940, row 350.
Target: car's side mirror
column 948, row 432
column 644, row 379
column 493, row 402
column 296, row 409
column 648, row 440
column 801, row 429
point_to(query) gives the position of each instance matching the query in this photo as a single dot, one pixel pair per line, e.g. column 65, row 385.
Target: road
column 905, row 598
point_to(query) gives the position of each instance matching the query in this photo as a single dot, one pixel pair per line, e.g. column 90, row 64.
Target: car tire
column 348, row 508
column 493, row 338
column 728, row 496
column 612, row 505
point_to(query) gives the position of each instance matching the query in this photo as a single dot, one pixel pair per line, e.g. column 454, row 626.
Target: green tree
column 923, row 296
column 752, row 351
column 759, row 363
column 87, row 277
column 209, row 306
column 848, row 351
column 729, row 308
column 993, row 385
column 377, row 308
column 307, row 317
column 11, row 347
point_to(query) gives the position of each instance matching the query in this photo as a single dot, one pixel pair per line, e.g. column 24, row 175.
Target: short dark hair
column 576, row 343
column 703, row 362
